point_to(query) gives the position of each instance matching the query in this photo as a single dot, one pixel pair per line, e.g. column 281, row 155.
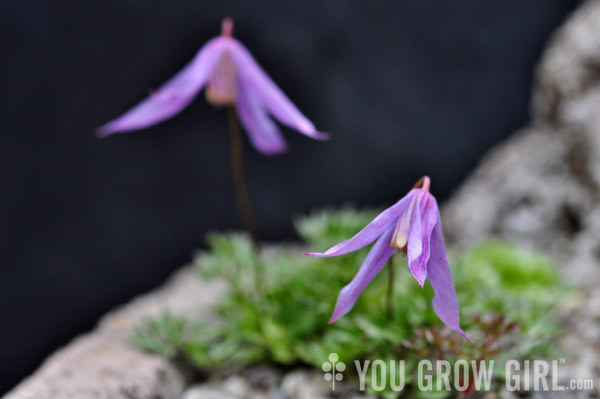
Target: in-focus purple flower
column 232, row 77
column 412, row 226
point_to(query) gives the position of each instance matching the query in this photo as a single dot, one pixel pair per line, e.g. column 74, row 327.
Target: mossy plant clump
column 507, row 298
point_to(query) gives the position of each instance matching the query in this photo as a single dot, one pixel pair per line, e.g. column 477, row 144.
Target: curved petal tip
column 420, row 276
column 337, row 313
column 323, row 136
column 275, row 150
column 461, row 332
column 317, row 254
column 103, row 132
column 100, row 134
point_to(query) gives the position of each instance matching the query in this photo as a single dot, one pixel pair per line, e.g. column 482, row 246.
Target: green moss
column 503, row 291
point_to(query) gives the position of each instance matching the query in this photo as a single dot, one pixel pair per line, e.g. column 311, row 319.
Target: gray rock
column 311, row 386
column 541, row 188
column 236, row 386
column 206, row 392
column 263, row 377
column 292, row 382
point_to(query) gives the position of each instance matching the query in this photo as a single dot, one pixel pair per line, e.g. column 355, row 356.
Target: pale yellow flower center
column 221, row 88
column 400, row 237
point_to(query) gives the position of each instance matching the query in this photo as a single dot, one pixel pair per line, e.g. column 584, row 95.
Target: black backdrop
column 406, row 88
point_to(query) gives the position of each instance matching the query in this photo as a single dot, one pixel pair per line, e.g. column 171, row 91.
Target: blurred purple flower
column 411, row 226
column 232, row 78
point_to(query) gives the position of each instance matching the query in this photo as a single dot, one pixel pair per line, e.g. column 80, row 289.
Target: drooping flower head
column 232, row 77
column 413, row 227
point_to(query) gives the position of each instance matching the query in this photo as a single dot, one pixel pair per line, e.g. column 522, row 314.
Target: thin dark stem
column 241, row 192
column 239, row 177
column 390, row 290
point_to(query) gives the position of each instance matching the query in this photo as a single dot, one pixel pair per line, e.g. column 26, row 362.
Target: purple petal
column 440, row 277
column 373, row 230
column 418, row 242
column 263, row 133
column 377, row 258
column 172, row 96
column 270, row 95
column 414, row 245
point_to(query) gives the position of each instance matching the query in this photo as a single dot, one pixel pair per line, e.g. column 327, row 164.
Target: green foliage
column 520, row 285
column 163, row 335
column 506, row 296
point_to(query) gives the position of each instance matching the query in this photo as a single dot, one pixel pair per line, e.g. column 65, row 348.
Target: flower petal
column 374, row 229
column 270, row 95
column 426, row 215
column 377, row 258
column 262, row 131
column 172, row 96
column 414, row 245
column 445, row 303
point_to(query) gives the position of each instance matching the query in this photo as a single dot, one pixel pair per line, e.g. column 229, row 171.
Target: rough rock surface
column 297, row 384
column 105, row 365
column 541, row 188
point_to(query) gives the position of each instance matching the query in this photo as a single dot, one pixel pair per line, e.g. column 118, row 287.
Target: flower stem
column 239, row 176
column 390, row 290
column 241, row 192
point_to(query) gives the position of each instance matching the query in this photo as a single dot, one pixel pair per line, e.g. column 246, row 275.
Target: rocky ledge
column 541, row 188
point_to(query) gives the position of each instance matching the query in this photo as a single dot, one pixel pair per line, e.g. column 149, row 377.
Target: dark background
column 406, row 88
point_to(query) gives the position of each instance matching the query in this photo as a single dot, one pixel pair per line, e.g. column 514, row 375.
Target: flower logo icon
column 333, row 369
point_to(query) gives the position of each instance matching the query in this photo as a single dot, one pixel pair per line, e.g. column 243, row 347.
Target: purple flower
column 411, row 226
column 232, row 78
